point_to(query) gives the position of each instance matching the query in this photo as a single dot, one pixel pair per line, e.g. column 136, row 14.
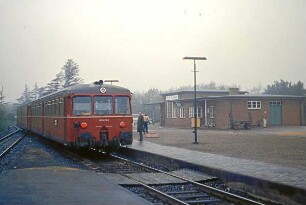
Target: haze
column 142, row 43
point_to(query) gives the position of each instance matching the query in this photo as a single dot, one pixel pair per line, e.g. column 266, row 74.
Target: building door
column 275, row 113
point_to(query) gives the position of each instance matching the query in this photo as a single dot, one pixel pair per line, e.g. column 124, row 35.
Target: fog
column 142, row 43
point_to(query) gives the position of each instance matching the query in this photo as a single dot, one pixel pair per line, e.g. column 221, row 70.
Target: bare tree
column 256, row 89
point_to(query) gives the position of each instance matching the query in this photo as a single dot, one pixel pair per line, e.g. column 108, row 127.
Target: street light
column 195, row 95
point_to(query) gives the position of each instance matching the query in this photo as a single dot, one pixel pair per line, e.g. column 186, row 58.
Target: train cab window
column 103, row 105
column 122, row 105
column 82, row 105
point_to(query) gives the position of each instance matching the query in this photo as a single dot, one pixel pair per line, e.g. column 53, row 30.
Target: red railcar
column 85, row 115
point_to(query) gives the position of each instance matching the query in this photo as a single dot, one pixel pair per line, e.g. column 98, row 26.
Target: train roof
column 96, row 88
column 92, row 88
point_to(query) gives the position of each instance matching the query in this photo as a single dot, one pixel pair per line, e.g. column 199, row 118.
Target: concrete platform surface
column 60, row 185
column 284, row 175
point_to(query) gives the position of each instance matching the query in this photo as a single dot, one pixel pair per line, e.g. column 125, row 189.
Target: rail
column 210, row 190
column 9, row 141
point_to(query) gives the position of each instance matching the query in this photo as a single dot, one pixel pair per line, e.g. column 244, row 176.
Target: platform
column 61, row 185
column 283, row 180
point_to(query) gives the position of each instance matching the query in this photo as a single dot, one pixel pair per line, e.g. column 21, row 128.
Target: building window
column 211, row 112
column 199, row 112
column 171, row 110
column 275, row 103
column 252, row 105
column 191, row 112
column 182, row 112
column 174, row 112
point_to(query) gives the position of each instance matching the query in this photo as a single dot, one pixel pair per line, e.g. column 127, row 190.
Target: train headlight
column 122, row 124
column 83, row 125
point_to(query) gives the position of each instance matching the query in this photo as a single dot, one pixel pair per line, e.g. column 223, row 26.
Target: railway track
column 195, row 193
column 9, row 141
column 187, row 191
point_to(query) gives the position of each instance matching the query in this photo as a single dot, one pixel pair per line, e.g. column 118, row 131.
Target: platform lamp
column 195, row 95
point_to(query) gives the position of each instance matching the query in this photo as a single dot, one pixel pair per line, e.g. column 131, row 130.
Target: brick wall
column 291, row 112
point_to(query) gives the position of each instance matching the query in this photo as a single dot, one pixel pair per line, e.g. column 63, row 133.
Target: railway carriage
column 85, row 115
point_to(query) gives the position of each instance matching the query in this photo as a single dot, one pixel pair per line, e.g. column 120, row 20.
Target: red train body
column 86, row 115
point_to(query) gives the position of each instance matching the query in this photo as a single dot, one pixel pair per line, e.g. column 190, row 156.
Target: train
column 94, row 116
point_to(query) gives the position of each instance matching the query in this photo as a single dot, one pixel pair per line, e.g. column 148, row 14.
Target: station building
column 220, row 108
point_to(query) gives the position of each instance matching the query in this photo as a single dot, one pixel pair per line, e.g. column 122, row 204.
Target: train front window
column 122, row 105
column 103, row 105
column 82, row 105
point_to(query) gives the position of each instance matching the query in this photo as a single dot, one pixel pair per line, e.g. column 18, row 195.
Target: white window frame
column 254, row 105
column 174, row 112
column 199, row 112
column 182, row 112
column 191, row 112
column 171, row 110
column 211, row 111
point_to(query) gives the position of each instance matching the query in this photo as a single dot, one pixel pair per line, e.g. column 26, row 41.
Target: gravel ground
column 30, row 152
column 284, row 146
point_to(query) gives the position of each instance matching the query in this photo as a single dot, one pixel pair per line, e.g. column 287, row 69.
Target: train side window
column 56, row 107
column 122, row 105
column 39, row 109
column 52, row 108
column 82, row 105
column 49, row 108
column 61, row 107
column 103, row 105
column 45, row 110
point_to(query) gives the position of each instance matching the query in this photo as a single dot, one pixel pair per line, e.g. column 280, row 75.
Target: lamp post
column 195, row 95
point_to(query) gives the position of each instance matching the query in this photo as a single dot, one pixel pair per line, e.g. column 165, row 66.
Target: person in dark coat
column 140, row 123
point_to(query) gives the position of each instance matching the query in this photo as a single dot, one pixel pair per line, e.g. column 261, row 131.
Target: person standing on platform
column 145, row 124
column 140, row 123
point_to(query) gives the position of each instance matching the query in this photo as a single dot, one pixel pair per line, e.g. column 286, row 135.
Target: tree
column 34, row 94
column 55, row 85
column 71, row 73
column 2, row 110
column 25, row 96
column 256, row 89
column 285, row 88
column 1, row 95
column 142, row 102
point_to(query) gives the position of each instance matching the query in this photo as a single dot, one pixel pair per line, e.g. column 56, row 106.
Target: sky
column 142, row 43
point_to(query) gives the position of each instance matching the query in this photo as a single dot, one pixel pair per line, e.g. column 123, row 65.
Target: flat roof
column 208, row 91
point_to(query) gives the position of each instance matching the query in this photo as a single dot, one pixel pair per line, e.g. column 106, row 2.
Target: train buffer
column 246, row 124
column 151, row 134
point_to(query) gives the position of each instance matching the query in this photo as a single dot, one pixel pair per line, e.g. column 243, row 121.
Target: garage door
column 275, row 113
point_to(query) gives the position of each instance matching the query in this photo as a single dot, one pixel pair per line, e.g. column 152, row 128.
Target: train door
column 275, row 113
